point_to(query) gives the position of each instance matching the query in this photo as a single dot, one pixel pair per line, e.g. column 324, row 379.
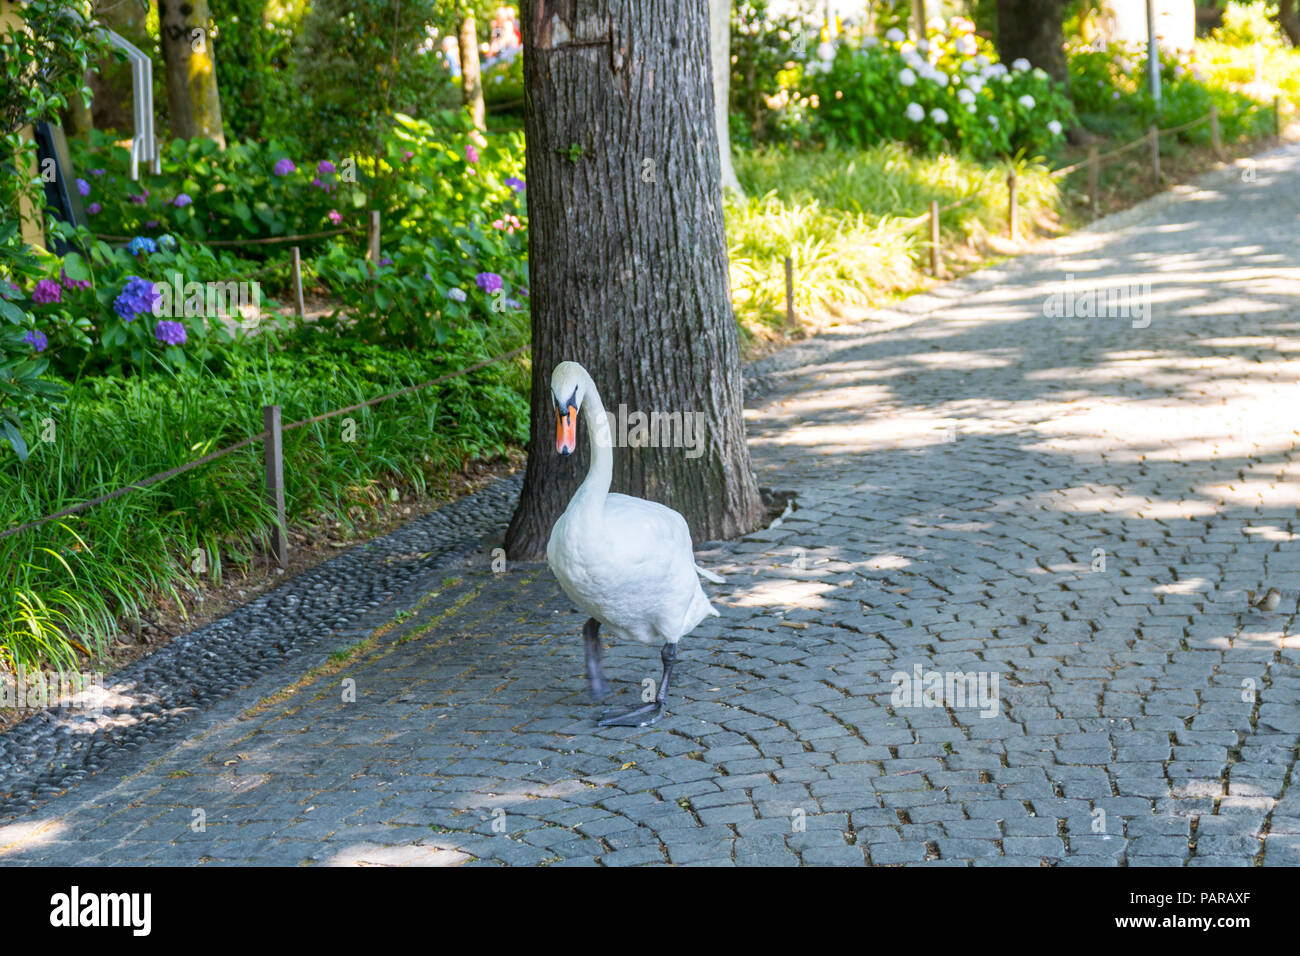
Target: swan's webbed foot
column 591, row 641
column 642, row 716
column 649, row 712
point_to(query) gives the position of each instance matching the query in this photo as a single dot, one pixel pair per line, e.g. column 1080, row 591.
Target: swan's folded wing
column 648, row 534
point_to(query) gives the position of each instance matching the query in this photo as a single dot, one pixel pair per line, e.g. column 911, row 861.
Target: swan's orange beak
column 566, row 430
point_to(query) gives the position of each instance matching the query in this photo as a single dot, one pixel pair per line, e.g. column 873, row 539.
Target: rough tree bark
column 193, row 106
column 628, row 257
column 471, row 76
column 1034, row 29
column 720, row 47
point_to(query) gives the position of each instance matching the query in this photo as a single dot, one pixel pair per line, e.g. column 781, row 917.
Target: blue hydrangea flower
column 169, row 333
column 137, row 296
column 142, row 244
column 37, row 340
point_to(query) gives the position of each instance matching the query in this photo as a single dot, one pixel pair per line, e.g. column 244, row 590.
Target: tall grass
column 62, row 585
column 839, row 214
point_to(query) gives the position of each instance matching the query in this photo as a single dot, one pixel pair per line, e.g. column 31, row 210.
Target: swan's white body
column 624, row 561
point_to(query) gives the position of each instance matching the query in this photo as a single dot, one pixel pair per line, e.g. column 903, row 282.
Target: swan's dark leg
column 591, row 638
column 649, row 712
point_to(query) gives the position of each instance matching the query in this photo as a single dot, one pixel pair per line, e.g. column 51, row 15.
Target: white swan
column 624, row 561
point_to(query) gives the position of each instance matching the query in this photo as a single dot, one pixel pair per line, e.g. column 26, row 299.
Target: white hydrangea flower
column 968, row 66
column 965, row 96
column 871, row 41
column 970, row 107
column 1020, row 65
column 1054, row 128
column 826, row 51
column 976, row 83
column 1027, row 101
column 894, row 35
column 981, row 61
column 966, row 45
column 457, row 295
column 936, row 25
column 993, row 120
column 907, row 77
column 938, row 115
column 923, row 46
column 915, row 112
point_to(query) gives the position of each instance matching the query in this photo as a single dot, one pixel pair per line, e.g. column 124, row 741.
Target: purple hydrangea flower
column 93, row 209
column 47, row 291
column 515, row 183
column 140, row 199
column 489, row 281
column 181, row 201
column 385, row 261
column 151, row 224
column 136, row 297
column 325, row 166
column 142, row 244
column 471, row 154
column 71, row 284
column 169, row 332
column 83, row 187
column 284, row 167
column 335, row 217
column 37, row 340
column 96, row 172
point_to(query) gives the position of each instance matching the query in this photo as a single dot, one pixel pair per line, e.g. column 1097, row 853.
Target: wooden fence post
column 297, row 282
column 1094, row 178
column 789, row 291
column 1013, row 215
column 372, row 237
column 934, row 238
column 1215, row 144
column 275, row 482
column 1155, row 152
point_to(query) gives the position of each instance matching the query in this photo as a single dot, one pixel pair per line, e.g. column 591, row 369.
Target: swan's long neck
column 593, row 490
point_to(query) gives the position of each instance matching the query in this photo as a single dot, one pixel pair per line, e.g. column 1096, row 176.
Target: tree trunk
column 1033, row 29
column 628, row 257
column 471, row 77
column 720, row 47
column 1289, row 20
column 193, row 106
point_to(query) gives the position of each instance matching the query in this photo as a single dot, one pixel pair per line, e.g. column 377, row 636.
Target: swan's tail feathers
column 710, row 576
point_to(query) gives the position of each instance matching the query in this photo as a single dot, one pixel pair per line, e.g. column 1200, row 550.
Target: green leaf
column 15, row 438
column 75, row 267
column 11, row 312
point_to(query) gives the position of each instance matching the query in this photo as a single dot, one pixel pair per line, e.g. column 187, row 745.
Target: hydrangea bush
column 456, row 213
column 945, row 92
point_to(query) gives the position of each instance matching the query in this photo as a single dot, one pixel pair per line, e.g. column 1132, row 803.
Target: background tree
column 471, row 76
column 242, row 67
column 1288, row 18
column 720, row 53
column 1034, row 29
column 185, row 35
column 628, row 257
